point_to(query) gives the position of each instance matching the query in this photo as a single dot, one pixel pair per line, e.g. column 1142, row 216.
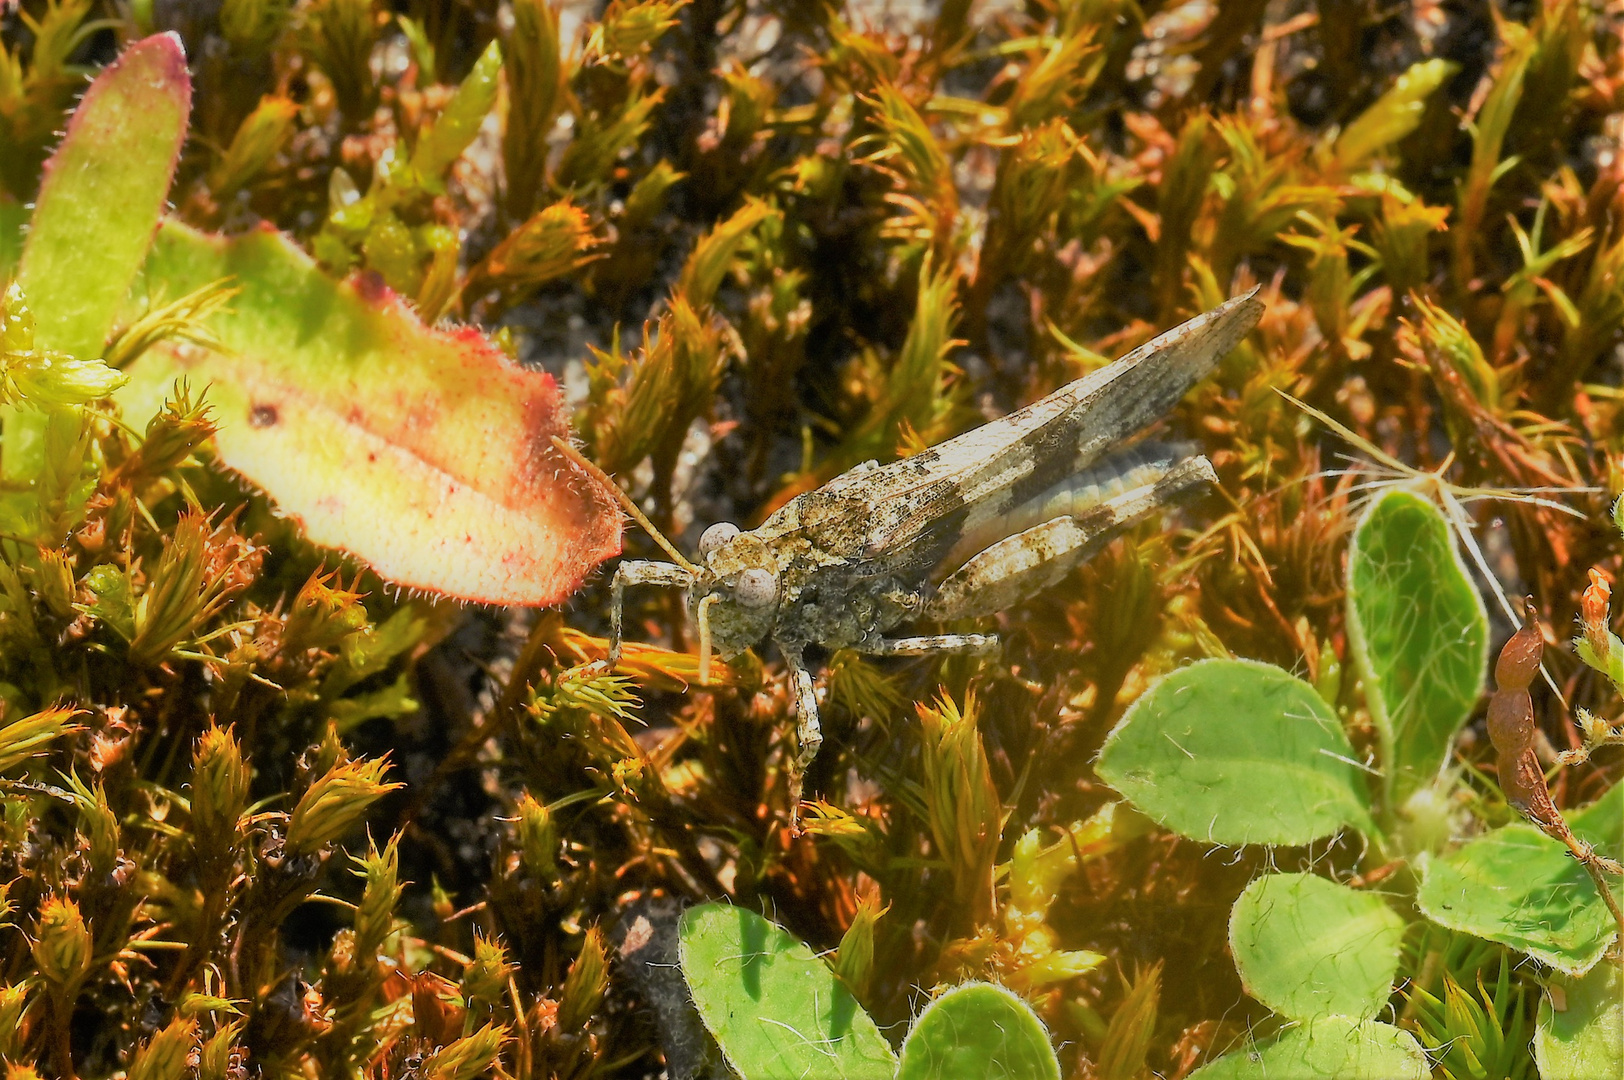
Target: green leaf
column 1330, row 1048
column 13, row 216
column 1472, row 1031
column 47, row 471
column 1307, row 947
column 1585, row 1038
column 708, row 263
column 439, row 147
column 389, row 701
column 775, row 1008
column 425, row 453
column 102, row 193
column 978, row 1030
column 99, row 201
column 1393, row 115
column 1236, row 752
column 1519, row 887
column 1419, row 633
column 112, row 600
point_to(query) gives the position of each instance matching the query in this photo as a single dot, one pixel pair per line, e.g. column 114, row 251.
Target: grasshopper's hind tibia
column 638, row 572
column 974, row 644
column 1022, row 565
column 808, row 730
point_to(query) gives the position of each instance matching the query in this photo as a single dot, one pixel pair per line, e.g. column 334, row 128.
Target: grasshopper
column 962, row 530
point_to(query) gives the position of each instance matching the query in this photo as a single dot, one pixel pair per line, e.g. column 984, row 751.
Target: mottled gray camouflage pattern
column 881, row 545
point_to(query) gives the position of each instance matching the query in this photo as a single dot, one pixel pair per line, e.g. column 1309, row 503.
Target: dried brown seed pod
column 1519, row 660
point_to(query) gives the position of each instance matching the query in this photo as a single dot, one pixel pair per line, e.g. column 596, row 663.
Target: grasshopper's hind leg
column 1026, row 563
column 808, row 729
column 973, row 644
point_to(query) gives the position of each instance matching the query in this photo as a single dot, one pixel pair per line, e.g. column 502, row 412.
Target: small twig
column 1597, row 867
column 62, row 1036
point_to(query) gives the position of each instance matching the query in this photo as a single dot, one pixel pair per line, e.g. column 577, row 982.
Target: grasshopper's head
column 734, row 600
column 733, row 590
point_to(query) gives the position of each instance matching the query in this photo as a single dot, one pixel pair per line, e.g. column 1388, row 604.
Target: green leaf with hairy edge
column 1520, row 888
column 775, row 1008
column 1394, row 115
column 424, row 452
column 978, row 1030
column 102, row 193
column 99, row 201
column 1307, row 947
column 12, row 219
column 1330, row 1048
column 1419, row 633
column 1236, row 752
column 1585, row 1038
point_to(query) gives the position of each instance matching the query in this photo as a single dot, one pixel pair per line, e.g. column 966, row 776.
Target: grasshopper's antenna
column 625, row 500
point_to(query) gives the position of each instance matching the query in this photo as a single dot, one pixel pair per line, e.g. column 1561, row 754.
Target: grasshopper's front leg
column 808, row 731
column 637, row 572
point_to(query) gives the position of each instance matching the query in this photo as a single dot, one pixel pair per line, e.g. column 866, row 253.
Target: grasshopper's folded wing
column 924, row 503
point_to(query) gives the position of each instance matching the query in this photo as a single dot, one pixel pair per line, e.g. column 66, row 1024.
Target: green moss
column 254, row 800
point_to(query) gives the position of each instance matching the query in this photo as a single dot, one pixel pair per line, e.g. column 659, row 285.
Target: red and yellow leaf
column 423, row 452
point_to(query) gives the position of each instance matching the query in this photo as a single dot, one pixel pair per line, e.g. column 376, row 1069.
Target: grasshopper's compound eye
column 715, row 536
column 756, row 588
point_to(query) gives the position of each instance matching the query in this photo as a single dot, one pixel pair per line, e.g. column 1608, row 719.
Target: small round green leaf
column 1585, row 1038
column 1330, row 1048
column 978, row 1031
column 1419, row 633
column 1236, row 752
column 1519, row 887
column 1308, row 948
column 774, row 1007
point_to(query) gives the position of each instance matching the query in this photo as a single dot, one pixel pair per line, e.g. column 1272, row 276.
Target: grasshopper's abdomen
column 1072, row 496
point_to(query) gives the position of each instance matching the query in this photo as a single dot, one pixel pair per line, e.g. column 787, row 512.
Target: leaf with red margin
column 424, row 453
